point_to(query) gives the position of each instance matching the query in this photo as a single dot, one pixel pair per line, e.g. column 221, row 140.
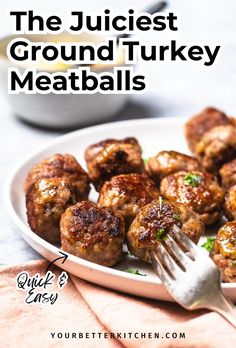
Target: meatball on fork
column 155, row 220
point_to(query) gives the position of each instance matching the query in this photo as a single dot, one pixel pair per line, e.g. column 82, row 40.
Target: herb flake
column 161, row 234
column 176, row 217
column 209, row 243
column 135, row 271
column 192, row 179
column 160, row 203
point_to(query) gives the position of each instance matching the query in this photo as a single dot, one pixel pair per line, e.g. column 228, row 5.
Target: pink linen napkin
column 108, row 318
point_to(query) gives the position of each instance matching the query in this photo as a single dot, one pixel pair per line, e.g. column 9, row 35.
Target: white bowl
column 64, row 110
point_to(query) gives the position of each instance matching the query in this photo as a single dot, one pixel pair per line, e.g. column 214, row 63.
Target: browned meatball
column 155, row 220
column 228, row 174
column 199, row 190
column 65, row 166
column 46, row 200
column 230, row 203
column 233, row 120
column 217, row 147
column 169, row 162
column 92, row 233
column 113, row 157
column 223, row 252
column 126, row 193
column 201, row 123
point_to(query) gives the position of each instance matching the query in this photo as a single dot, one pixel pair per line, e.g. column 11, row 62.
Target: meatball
column 126, row 193
column 201, row 123
column 233, row 120
column 230, row 203
column 92, row 233
column 65, row 166
column 155, row 220
column 46, row 200
column 199, row 190
column 228, row 174
column 217, row 147
column 169, row 162
column 223, row 252
column 113, row 157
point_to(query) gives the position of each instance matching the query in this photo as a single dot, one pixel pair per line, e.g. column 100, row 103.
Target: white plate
column 154, row 135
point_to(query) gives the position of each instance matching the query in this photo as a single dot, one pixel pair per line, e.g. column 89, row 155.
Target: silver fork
column 194, row 280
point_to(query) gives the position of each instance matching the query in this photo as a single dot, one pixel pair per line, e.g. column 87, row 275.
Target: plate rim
column 26, row 231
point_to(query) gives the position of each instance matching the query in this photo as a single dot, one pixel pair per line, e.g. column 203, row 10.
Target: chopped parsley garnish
column 160, row 203
column 145, row 160
column 209, row 243
column 161, row 234
column 135, row 271
column 176, row 217
column 192, row 179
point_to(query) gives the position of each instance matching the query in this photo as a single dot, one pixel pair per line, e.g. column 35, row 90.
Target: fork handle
column 224, row 307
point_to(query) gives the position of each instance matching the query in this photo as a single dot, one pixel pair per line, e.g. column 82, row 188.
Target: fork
column 193, row 280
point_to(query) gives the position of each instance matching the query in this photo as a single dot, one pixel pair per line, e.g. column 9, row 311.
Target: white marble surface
column 176, row 89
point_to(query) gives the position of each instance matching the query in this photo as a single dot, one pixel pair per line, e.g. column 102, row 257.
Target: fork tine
column 184, row 240
column 177, row 252
column 159, row 269
column 168, row 262
column 196, row 287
